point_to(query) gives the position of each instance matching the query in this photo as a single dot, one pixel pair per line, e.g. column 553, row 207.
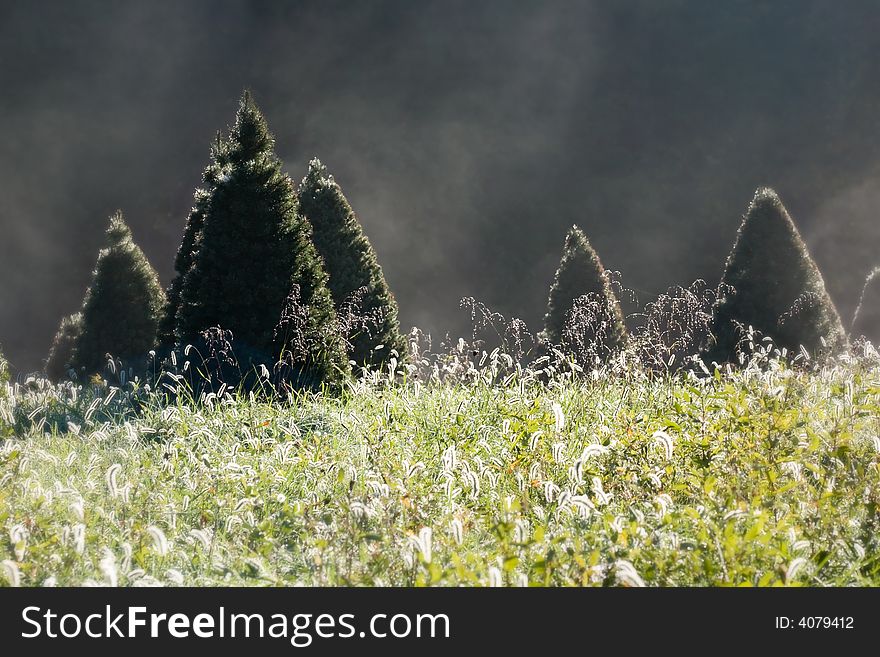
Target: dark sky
column 468, row 135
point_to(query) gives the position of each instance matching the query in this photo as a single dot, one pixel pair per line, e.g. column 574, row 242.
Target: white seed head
column 108, row 567
column 174, row 576
column 160, row 542
column 625, row 574
column 665, row 441
column 793, row 568
column 457, row 531
column 558, row 417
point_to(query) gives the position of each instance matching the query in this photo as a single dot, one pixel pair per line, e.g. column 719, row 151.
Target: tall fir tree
column 597, row 326
column 365, row 304
column 772, row 284
column 866, row 322
column 61, row 353
column 121, row 309
column 253, row 257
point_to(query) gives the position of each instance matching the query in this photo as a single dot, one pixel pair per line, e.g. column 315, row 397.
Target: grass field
column 768, row 476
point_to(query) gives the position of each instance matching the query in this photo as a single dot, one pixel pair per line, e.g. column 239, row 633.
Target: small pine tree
column 121, row 309
column 772, row 284
column 583, row 312
column 866, row 322
column 252, row 252
column 355, row 277
column 61, row 353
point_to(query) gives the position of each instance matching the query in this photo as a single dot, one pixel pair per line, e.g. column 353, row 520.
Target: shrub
column 772, row 284
column 866, row 322
column 61, row 353
column 251, row 249
column 121, row 309
column 367, row 309
column 583, row 312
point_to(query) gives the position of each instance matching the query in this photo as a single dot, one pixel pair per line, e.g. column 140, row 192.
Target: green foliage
column 121, row 309
column 867, row 317
column 766, row 476
column 772, row 284
column 61, row 353
column 4, row 369
column 363, row 301
column 582, row 308
column 249, row 258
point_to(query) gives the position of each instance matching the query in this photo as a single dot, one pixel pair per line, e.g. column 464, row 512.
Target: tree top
column 250, row 133
column 767, row 204
column 118, row 231
column 576, row 238
column 317, row 175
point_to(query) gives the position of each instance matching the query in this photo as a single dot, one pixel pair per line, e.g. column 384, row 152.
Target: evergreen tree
column 182, row 264
column 772, row 284
column 363, row 301
column 121, row 309
column 61, row 353
column 189, row 244
column 866, row 321
column 583, row 313
column 254, row 257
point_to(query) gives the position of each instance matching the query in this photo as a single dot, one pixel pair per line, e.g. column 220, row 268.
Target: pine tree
column 182, row 264
column 253, row 254
column 361, row 296
column 866, row 322
column 121, row 309
column 772, row 284
column 583, row 313
column 191, row 235
column 61, row 353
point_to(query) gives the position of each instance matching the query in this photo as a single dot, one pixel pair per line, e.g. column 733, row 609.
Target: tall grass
column 462, row 467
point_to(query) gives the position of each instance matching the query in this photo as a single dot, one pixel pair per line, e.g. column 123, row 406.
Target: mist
column 468, row 137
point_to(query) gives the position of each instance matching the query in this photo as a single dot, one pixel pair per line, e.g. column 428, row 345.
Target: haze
column 468, row 136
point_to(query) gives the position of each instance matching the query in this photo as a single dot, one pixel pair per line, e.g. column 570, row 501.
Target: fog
column 468, row 136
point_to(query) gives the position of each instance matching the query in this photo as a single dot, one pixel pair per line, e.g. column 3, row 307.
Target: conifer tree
column 61, row 353
column 866, row 322
column 360, row 293
column 772, row 284
column 121, row 309
column 189, row 244
column 182, row 264
column 252, row 255
column 596, row 325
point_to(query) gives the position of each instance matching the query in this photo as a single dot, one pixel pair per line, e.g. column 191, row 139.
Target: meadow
column 473, row 471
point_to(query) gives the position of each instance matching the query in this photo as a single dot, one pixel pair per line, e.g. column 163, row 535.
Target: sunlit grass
column 764, row 477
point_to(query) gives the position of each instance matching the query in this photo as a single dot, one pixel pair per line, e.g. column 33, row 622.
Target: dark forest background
column 467, row 135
